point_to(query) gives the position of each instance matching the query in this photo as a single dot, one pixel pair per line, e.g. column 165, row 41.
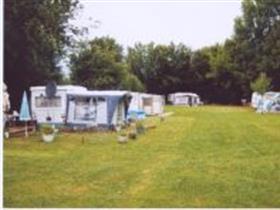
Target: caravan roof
column 101, row 93
column 186, row 94
column 62, row 87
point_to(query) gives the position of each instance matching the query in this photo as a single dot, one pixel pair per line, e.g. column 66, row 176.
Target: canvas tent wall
column 97, row 108
column 189, row 99
column 51, row 110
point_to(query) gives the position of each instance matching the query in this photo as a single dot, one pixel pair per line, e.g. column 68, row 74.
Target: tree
column 161, row 68
column 257, row 41
column 100, row 65
column 261, row 84
column 35, row 36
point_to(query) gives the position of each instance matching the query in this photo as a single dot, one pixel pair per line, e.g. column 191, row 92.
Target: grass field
column 211, row 156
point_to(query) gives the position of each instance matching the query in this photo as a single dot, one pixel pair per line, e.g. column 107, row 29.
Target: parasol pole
column 26, row 129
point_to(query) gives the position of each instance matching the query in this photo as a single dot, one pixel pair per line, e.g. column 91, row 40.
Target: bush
column 132, row 135
column 140, row 127
column 47, row 129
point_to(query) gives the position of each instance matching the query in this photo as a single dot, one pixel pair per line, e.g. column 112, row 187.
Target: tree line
column 222, row 73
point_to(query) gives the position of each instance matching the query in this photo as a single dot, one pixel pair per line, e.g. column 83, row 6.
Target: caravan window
column 43, row 101
column 147, row 101
column 101, row 99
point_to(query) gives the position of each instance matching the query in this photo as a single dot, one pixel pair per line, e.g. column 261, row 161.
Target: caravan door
column 82, row 110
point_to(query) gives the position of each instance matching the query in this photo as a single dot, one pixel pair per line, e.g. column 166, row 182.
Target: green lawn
column 211, row 156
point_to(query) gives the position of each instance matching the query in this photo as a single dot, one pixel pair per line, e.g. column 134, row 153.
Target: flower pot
column 122, row 139
column 48, row 137
column 6, row 135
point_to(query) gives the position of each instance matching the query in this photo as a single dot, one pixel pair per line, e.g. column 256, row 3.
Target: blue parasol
column 24, row 114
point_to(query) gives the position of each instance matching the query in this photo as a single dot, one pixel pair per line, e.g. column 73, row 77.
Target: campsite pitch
column 210, row 156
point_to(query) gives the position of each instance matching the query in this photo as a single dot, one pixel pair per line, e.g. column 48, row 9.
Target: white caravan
column 189, row 99
column 51, row 110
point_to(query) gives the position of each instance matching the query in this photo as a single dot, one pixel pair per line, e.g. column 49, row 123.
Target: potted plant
column 140, row 128
column 132, row 134
column 122, row 137
column 48, row 133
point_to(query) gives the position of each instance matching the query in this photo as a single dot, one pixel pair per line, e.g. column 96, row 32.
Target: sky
column 195, row 23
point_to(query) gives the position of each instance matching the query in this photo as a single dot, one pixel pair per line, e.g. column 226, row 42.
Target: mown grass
column 211, row 156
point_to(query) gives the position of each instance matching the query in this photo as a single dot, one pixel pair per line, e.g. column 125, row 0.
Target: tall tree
column 257, row 41
column 100, row 65
column 35, row 36
column 162, row 68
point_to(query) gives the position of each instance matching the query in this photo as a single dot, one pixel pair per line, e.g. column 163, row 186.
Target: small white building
column 189, row 99
column 51, row 110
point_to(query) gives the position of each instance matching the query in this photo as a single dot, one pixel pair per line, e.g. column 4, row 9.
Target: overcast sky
column 194, row 23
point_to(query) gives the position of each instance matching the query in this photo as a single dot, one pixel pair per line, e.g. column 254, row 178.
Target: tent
column 97, row 108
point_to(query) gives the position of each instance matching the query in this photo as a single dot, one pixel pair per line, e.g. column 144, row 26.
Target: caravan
column 189, row 99
column 51, row 109
column 75, row 105
column 269, row 102
column 143, row 104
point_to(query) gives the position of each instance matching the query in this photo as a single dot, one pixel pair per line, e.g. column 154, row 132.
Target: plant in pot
column 140, row 128
column 122, row 137
column 132, row 134
column 48, row 133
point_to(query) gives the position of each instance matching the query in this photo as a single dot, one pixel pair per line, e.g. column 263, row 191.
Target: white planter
column 6, row 135
column 122, row 139
column 48, row 137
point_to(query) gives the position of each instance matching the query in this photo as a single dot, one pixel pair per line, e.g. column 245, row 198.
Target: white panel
column 102, row 112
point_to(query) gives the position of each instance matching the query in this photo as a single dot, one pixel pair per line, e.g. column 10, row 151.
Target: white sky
column 194, row 23
column 197, row 23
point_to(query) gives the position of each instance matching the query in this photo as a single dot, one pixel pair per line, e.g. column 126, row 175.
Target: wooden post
column 26, row 129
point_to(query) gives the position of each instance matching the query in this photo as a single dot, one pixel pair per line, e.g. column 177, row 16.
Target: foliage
column 99, row 65
column 122, row 132
column 212, row 156
column 132, row 134
column 35, row 36
column 47, row 129
column 261, row 84
column 161, row 68
column 140, row 128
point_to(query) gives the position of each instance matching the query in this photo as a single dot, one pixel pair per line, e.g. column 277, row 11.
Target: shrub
column 140, row 127
column 47, row 129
